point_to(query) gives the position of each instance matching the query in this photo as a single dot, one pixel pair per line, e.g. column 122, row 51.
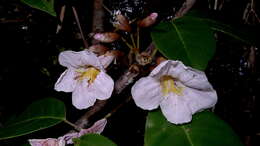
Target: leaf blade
column 93, row 140
column 39, row 115
column 205, row 129
column 188, row 40
column 43, row 5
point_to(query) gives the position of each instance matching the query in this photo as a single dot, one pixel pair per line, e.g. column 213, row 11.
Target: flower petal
column 175, row 109
column 146, row 93
column 195, row 79
column 47, row 142
column 186, row 75
column 82, row 96
column 169, row 67
column 198, row 100
column 102, row 87
column 72, row 59
column 98, row 127
column 105, row 60
column 66, row 81
column 158, row 68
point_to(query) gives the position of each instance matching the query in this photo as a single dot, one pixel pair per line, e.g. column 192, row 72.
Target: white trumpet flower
column 180, row 91
column 85, row 77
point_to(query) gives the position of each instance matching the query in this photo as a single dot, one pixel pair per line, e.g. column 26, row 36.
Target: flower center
column 168, row 85
column 90, row 73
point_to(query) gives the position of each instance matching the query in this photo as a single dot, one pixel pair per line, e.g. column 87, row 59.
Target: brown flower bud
column 98, row 49
column 122, row 23
column 115, row 53
column 107, row 37
column 148, row 21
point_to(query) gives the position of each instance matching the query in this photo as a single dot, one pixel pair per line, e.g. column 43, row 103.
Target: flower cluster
column 180, row 91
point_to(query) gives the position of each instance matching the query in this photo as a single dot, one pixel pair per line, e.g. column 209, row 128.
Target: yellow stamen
column 168, row 85
column 90, row 73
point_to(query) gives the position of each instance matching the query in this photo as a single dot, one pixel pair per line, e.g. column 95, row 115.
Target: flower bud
column 107, row 37
column 122, row 23
column 148, row 21
column 98, row 49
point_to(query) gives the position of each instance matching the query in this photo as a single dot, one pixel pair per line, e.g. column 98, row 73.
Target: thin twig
column 216, row 5
column 117, row 107
column 62, row 14
column 83, row 120
column 3, row 20
column 126, row 79
column 138, row 37
column 106, row 8
column 80, row 29
column 97, row 21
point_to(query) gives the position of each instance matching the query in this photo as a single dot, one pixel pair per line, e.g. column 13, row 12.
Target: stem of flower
column 133, row 41
column 128, row 45
column 106, row 8
column 154, row 52
column 73, row 125
column 80, row 29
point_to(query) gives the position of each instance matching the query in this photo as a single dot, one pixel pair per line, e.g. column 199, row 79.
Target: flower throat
column 90, row 73
column 168, row 85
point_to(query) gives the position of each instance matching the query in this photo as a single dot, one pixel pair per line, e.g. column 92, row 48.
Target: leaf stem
column 73, row 125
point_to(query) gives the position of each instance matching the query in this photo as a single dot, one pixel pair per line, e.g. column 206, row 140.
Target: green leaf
column 206, row 129
column 26, row 144
column 39, row 115
column 240, row 33
column 93, row 140
column 188, row 40
column 43, row 5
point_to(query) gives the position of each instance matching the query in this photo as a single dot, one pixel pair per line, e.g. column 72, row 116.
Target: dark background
column 29, row 67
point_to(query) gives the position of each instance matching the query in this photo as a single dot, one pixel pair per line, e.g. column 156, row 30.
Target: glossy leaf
column 43, row 5
column 241, row 33
column 206, row 129
column 188, row 40
column 93, row 140
column 39, row 115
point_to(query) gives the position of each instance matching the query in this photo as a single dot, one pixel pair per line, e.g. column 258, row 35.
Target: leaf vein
column 188, row 135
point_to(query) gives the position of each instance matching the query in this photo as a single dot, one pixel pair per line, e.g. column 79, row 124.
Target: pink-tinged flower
column 98, row 127
column 180, row 91
column 85, row 77
column 47, row 142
